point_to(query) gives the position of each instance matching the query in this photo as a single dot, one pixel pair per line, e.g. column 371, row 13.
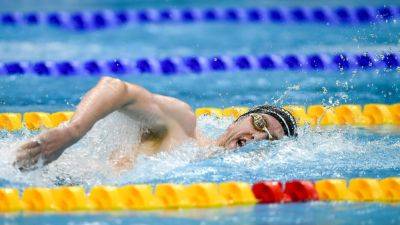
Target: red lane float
column 269, row 192
column 301, row 191
column 294, row 191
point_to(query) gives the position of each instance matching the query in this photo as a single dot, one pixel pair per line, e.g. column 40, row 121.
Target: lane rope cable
column 94, row 20
column 199, row 64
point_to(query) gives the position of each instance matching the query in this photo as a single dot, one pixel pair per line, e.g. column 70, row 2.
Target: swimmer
column 168, row 122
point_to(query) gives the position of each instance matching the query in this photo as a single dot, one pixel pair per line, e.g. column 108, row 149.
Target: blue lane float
column 195, row 64
column 92, row 20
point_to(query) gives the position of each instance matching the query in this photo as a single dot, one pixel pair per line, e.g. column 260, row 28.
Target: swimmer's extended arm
column 107, row 96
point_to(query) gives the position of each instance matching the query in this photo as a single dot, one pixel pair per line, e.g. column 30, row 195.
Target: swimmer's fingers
column 30, row 144
column 27, row 155
column 27, row 164
column 29, row 150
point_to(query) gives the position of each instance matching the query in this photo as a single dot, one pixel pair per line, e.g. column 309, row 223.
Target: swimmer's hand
column 45, row 148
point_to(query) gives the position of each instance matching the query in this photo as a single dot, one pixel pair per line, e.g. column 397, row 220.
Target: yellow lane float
column 352, row 115
column 197, row 195
column 10, row 121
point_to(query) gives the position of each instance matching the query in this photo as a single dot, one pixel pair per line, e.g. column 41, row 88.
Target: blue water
column 318, row 153
column 306, row 213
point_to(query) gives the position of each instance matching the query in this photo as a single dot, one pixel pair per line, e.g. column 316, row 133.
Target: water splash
column 86, row 162
column 317, row 153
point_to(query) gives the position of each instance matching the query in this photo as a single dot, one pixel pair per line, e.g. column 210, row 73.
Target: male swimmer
column 167, row 123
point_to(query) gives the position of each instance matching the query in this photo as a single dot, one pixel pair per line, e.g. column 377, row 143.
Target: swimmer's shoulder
column 171, row 102
column 178, row 110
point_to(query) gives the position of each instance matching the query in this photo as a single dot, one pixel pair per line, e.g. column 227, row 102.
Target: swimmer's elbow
column 187, row 107
column 114, row 85
column 127, row 93
column 108, row 80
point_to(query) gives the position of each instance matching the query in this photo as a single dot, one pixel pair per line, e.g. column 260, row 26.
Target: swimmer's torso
column 162, row 129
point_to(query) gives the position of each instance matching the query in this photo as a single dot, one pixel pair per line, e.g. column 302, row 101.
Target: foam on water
column 316, row 153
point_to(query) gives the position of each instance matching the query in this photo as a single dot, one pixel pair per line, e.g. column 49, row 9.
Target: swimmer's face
column 243, row 131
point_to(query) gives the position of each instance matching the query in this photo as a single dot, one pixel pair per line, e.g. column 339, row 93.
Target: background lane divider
column 199, row 64
column 101, row 19
column 353, row 115
column 198, row 195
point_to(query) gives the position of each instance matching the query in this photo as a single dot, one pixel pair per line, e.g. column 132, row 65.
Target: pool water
column 301, row 213
column 333, row 152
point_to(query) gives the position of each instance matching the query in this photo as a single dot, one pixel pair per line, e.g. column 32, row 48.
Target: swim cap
column 284, row 117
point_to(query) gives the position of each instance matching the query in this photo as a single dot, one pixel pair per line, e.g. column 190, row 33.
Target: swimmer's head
column 265, row 122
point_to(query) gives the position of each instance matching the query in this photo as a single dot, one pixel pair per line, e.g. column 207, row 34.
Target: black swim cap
column 284, row 117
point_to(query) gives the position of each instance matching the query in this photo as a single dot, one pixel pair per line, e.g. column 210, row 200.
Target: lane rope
column 94, row 20
column 197, row 195
column 351, row 115
column 198, row 64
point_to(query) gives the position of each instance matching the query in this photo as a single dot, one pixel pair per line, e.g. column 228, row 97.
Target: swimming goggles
column 261, row 124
